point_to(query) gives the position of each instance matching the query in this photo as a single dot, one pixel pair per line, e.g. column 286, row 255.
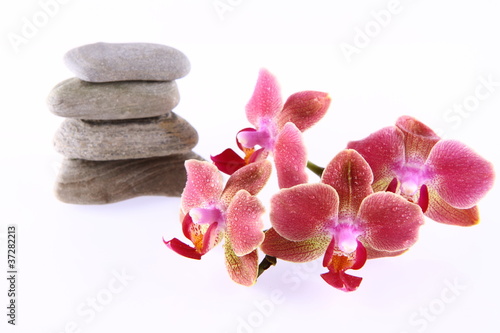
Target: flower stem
column 266, row 263
column 314, row 168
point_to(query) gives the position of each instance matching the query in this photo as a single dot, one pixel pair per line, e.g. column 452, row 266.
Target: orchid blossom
column 277, row 130
column 445, row 177
column 342, row 219
column 211, row 212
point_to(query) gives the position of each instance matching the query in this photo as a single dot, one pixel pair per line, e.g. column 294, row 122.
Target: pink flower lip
column 206, row 215
column 263, row 136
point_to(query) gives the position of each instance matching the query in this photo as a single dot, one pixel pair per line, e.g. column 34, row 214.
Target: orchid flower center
column 346, row 237
column 411, row 177
column 205, row 215
column 263, row 136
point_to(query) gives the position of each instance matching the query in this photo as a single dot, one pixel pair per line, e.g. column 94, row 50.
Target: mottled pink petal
column 203, row 185
column 304, row 251
column 304, row 211
column 419, row 139
column 459, row 175
column 243, row 223
column 342, row 281
column 252, row 178
column 304, row 109
column 442, row 212
column 384, row 151
column 374, row 254
column 290, row 157
column 183, row 249
column 351, row 176
column 389, row 221
column 228, row 161
column 242, row 270
column 266, row 99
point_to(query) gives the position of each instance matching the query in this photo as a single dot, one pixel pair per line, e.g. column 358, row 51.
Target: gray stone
column 102, row 182
column 74, row 98
column 106, row 62
column 105, row 140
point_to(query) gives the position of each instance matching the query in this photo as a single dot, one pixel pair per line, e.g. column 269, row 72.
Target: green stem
column 314, row 168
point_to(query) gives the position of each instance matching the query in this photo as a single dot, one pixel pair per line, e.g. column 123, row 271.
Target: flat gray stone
column 106, row 62
column 74, row 98
column 101, row 182
column 104, row 140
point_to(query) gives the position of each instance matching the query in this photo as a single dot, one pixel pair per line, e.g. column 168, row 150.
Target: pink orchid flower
column 277, row 130
column 342, row 218
column 445, row 177
column 211, row 212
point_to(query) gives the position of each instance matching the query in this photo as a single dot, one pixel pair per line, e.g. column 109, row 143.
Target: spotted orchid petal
column 304, row 109
column 266, row 101
column 303, row 251
column 252, row 178
column 242, row 270
column 244, row 224
column 304, row 211
column 418, row 139
column 458, row 174
column 440, row 211
column 389, row 221
column 290, row 157
column 385, row 153
column 351, row 176
column 203, row 186
column 374, row 254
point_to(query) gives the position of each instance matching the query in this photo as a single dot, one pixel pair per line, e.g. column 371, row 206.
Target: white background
column 429, row 57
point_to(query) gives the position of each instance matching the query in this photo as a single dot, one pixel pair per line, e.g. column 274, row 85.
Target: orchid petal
column 423, row 198
column 187, row 224
column 304, row 211
column 266, row 99
column 244, row 269
column 440, row 211
column 389, row 221
column 361, row 256
column 183, row 249
column 460, row 176
column 342, row 281
column 351, row 176
column 419, row 139
column 252, row 178
column 248, row 129
column 374, row 254
column 228, row 161
column 304, row 251
column 384, row 151
column 304, row 109
column 290, row 157
column 244, row 224
column 204, row 185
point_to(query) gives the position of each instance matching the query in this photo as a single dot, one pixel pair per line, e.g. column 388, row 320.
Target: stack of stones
column 120, row 137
